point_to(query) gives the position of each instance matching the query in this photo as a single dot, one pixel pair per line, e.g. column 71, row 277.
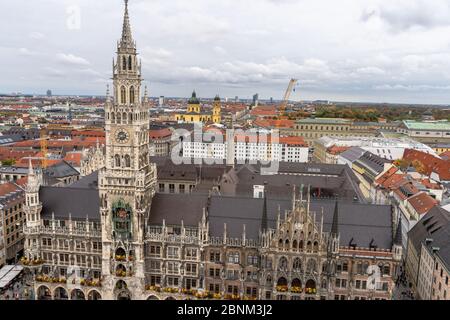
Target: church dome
column 217, row 98
column 193, row 99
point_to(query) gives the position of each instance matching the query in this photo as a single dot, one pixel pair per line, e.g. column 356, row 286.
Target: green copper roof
column 432, row 125
column 193, row 99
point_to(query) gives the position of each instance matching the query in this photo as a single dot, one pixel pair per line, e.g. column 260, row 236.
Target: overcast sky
column 351, row 50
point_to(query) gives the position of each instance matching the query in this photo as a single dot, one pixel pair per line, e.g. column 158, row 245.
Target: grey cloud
column 72, row 59
column 338, row 49
column 403, row 15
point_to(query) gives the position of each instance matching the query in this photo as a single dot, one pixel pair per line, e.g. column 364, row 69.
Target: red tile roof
column 7, row 188
column 422, row 202
column 270, row 123
column 431, row 185
column 74, row 158
column 22, row 182
column 335, row 150
column 385, row 176
column 293, row 140
column 160, row 133
column 266, row 111
column 24, row 163
column 57, row 144
column 10, row 153
column 431, row 163
column 88, row 133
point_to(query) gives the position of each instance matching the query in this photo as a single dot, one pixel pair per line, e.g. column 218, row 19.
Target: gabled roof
column 360, row 224
column 436, row 219
column 61, row 170
column 388, row 179
column 372, row 161
column 334, row 150
column 422, row 202
column 8, row 189
column 431, row 163
column 352, row 154
column 79, row 200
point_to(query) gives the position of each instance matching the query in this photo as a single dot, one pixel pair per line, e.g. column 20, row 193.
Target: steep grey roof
column 361, row 224
column 79, row 202
column 61, row 170
column 167, row 170
column 428, row 227
column 89, row 181
column 338, row 181
column 10, row 138
column 441, row 241
column 372, row 162
column 13, row 170
column 176, row 207
column 352, row 154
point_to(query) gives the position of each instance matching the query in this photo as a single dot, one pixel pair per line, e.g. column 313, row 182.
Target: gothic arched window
column 124, row 63
column 124, row 118
column 129, row 63
column 282, row 264
column 316, row 246
column 117, row 160
column 119, row 118
column 113, row 117
column 294, row 245
column 130, row 118
column 132, row 95
column 127, row 161
column 312, row 266
column 297, row 265
column 123, row 95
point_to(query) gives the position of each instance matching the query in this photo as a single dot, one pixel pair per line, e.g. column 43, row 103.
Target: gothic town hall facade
column 111, row 235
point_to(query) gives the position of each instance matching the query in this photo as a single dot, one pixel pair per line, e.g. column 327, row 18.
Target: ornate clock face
column 122, row 136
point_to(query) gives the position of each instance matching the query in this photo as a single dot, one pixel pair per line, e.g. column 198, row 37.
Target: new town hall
column 221, row 232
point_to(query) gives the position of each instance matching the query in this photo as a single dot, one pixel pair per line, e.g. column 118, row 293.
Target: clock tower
column 127, row 182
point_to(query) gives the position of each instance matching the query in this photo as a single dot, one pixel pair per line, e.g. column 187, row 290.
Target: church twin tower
column 127, row 183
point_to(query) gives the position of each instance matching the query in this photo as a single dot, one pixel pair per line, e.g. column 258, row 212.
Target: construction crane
column 287, row 95
column 44, row 148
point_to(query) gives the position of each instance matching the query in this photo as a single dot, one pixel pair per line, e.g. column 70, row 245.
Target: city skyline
column 237, row 49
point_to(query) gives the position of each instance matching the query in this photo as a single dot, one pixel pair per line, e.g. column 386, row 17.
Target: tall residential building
column 12, row 200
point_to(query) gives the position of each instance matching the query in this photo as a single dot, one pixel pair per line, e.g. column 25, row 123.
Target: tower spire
column 108, row 97
column 146, row 95
column 30, row 167
column 127, row 38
